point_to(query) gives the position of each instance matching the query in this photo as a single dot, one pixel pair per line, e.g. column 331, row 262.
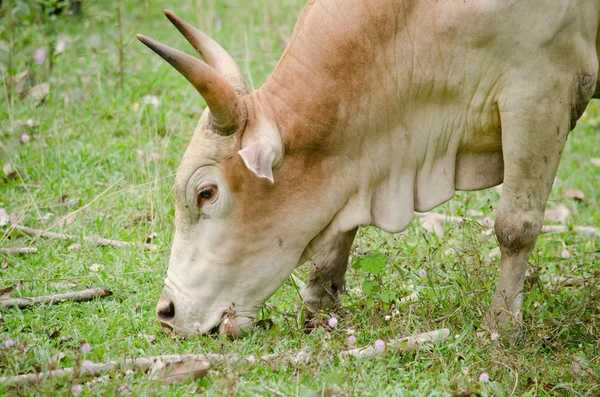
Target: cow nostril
column 165, row 310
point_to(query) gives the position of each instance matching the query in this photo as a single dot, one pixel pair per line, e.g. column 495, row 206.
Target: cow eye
column 206, row 193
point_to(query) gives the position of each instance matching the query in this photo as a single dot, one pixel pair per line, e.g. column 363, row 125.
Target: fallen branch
column 100, row 241
column 78, row 296
column 276, row 392
column 143, row 363
column 583, row 230
column 571, row 282
column 18, row 251
column 403, row 344
column 433, row 221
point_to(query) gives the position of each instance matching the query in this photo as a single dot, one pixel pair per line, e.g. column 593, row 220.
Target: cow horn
column 212, row 52
column 225, row 106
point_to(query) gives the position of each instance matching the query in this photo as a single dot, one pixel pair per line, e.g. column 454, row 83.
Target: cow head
column 240, row 230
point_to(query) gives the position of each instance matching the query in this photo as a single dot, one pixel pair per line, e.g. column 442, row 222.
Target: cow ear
column 262, row 151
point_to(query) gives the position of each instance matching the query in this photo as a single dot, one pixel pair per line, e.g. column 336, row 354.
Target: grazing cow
column 377, row 109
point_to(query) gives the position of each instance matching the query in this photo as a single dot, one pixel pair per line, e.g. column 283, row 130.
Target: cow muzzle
column 230, row 324
column 165, row 313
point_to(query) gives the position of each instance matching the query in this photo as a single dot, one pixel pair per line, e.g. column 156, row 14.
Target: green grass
column 97, row 142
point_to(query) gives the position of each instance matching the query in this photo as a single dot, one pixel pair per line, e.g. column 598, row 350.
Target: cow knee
column 518, row 230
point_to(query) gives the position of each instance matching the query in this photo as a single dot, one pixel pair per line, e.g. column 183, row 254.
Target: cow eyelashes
column 206, row 193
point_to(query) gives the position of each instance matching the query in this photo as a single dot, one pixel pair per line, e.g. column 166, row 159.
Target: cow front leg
column 326, row 274
column 533, row 137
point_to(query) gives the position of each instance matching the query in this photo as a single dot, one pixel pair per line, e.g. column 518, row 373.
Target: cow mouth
column 169, row 330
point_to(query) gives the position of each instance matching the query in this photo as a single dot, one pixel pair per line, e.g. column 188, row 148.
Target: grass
column 95, row 141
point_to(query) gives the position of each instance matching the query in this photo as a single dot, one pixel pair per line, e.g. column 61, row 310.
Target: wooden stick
column 276, row 392
column 18, row 251
column 102, row 242
column 404, row 344
column 583, row 230
column 85, row 295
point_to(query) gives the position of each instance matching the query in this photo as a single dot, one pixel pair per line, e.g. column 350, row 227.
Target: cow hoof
column 316, row 301
column 316, row 320
column 265, row 323
column 504, row 323
column 311, row 324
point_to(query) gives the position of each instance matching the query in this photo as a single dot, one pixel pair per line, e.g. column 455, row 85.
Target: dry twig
column 404, row 344
column 276, row 392
column 79, row 296
column 143, row 363
column 18, row 251
column 102, row 242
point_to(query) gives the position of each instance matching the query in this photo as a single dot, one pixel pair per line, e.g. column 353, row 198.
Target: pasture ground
column 111, row 150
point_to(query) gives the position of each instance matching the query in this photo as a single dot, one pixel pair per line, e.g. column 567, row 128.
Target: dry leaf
column 494, row 252
column 9, row 172
column 67, row 220
column 595, row 162
column 65, row 97
column 151, row 237
column 39, row 55
column 95, row 267
column 410, row 298
column 39, row 92
column 62, row 43
column 55, row 334
column 46, row 216
column 20, row 81
column 179, row 372
column 582, row 368
column 432, row 222
column 141, row 218
column 558, row 214
column 575, row 194
column 152, row 100
column 30, row 123
column 475, row 213
column 17, row 219
column 74, row 247
column 467, row 393
column 4, row 219
column 585, row 230
column 5, row 292
column 4, row 264
column 149, row 338
column 331, row 393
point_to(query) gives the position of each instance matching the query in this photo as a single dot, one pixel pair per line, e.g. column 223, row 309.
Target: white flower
column 333, row 322
column 76, row 390
column 87, row 364
column 86, row 347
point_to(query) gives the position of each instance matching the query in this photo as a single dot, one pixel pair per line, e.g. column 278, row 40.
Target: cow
column 376, row 110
